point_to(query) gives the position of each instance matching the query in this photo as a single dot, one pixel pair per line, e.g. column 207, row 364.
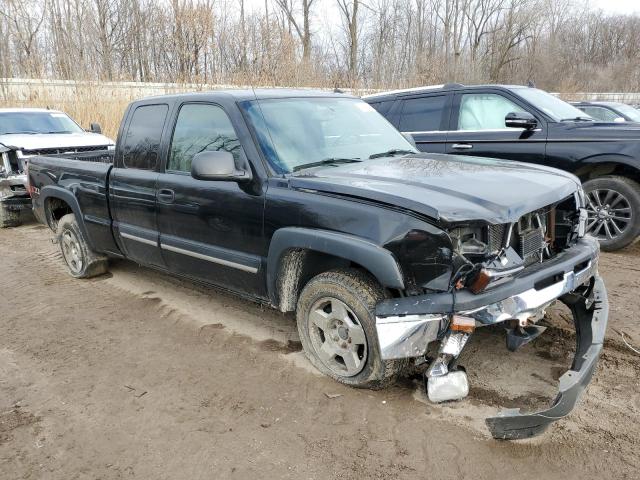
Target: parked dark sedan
column 530, row 125
column 609, row 111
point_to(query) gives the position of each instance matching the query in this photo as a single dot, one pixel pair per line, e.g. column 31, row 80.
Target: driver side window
column 201, row 127
column 484, row 111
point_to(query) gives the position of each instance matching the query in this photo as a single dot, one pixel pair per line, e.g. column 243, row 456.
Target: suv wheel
column 613, row 207
column 336, row 324
column 81, row 261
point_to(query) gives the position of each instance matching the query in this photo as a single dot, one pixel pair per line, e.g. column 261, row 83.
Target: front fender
column 604, row 164
column 379, row 261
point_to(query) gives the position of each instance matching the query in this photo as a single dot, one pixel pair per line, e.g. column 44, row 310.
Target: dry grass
column 86, row 106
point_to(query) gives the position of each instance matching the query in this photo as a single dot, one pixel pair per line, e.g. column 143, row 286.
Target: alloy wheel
column 337, row 337
column 71, row 251
column 609, row 214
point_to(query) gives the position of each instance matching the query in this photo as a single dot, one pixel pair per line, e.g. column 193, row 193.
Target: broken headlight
column 469, row 241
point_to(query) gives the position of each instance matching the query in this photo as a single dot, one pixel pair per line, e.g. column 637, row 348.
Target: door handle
column 166, row 196
column 461, row 146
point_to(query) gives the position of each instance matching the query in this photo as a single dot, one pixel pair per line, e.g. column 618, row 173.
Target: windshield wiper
column 577, row 119
column 326, row 161
column 391, row 153
column 61, row 131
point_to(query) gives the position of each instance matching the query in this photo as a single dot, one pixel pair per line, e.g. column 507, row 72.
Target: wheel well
column 298, row 266
column 54, row 210
column 589, row 172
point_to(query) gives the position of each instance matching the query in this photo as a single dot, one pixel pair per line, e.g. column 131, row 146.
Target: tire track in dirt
column 213, row 325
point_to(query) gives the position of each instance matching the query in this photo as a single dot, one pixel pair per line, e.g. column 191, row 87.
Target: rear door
column 132, row 183
column 425, row 118
column 209, row 229
column 478, row 128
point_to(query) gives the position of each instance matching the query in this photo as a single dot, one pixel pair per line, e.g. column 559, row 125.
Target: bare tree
column 303, row 29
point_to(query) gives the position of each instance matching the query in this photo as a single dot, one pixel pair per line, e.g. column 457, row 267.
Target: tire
column 324, row 300
column 613, row 206
column 9, row 218
column 82, row 262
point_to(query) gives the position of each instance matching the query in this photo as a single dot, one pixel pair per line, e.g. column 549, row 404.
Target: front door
column 132, row 185
column 478, row 129
column 209, row 229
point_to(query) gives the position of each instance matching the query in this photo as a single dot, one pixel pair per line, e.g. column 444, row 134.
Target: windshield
column 37, row 122
column 295, row 132
column 557, row 109
column 628, row 111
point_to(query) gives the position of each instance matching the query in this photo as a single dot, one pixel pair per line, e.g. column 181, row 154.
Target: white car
column 26, row 132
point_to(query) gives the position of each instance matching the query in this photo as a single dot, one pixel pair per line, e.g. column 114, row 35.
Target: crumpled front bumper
column 591, row 324
column 406, row 326
column 14, row 187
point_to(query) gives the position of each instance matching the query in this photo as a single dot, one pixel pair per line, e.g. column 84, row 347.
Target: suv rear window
column 382, row 107
column 422, row 114
column 142, row 140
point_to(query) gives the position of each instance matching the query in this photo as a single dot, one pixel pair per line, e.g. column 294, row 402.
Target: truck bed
column 83, row 176
column 96, row 156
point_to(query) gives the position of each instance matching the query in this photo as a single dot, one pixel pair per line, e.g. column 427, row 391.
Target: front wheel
column 81, row 261
column 613, row 208
column 336, row 323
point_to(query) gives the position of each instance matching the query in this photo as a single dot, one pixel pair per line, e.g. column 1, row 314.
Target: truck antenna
column 264, row 120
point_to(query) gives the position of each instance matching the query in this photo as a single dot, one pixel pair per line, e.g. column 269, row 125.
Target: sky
column 610, row 6
column 618, row 6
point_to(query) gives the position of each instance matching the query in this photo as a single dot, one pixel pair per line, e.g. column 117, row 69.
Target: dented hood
column 448, row 188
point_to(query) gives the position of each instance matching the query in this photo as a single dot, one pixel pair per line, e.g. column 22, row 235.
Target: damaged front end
column 507, row 275
column 14, row 196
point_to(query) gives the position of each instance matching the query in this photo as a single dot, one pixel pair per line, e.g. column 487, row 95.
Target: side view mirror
column 217, row 165
column 520, row 120
column 619, row 120
column 95, row 128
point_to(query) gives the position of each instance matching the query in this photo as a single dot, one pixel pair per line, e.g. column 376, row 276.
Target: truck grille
column 527, row 236
column 531, row 243
column 496, row 237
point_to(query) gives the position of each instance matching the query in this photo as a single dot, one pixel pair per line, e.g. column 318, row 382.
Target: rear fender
column 54, row 191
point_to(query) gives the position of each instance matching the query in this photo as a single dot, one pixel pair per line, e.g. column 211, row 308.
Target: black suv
column 530, row 125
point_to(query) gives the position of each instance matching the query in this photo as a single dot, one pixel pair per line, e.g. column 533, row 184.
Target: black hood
column 449, row 188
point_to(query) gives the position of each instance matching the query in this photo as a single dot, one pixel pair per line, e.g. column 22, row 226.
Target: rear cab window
column 422, row 114
column 141, row 144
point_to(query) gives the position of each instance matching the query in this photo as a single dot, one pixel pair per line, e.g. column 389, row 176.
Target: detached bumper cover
column 591, row 324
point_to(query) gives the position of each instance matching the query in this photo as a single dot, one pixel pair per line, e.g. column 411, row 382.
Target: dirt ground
column 140, row 375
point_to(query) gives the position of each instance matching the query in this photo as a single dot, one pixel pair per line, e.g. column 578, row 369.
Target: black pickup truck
column 312, row 202
column 530, row 125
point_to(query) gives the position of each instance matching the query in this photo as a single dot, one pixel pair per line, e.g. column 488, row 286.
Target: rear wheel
column 81, row 261
column 336, row 324
column 613, row 208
